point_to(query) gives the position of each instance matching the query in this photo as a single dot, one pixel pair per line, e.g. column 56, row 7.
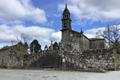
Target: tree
column 26, row 44
column 46, row 47
column 55, row 46
column 112, row 36
column 35, row 47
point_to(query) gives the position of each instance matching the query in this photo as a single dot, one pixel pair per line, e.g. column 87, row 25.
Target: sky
column 26, row 20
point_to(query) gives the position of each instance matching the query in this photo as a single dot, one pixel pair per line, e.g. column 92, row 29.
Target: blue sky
column 54, row 16
column 25, row 20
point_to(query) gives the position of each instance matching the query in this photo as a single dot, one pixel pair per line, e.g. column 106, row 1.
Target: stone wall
column 93, row 60
column 12, row 57
column 88, row 60
column 44, row 59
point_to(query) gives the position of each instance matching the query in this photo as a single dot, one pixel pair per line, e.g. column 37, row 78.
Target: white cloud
column 20, row 32
column 92, row 33
column 21, row 10
column 56, row 36
column 94, row 9
column 95, row 32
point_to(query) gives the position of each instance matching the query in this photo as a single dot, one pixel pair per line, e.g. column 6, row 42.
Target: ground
column 56, row 75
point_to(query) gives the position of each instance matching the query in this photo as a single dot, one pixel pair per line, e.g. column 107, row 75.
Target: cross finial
column 66, row 4
column 81, row 31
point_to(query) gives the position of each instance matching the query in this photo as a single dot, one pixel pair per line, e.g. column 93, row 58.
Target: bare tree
column 112, row 36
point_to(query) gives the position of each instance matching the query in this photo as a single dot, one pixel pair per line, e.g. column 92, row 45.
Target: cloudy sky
column 41, row 19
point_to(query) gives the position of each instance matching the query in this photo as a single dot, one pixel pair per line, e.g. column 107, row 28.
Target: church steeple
column 66, row 20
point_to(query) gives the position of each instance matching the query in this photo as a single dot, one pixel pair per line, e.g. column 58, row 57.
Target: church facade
column 72, row 40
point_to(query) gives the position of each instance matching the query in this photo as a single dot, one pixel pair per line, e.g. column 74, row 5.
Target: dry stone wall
column 96, row 60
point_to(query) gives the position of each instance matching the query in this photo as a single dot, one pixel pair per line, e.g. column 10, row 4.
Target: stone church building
column 75, row 52
column 72, row 40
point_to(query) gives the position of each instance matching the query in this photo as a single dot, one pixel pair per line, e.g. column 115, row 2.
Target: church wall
column 70, row 40
column 75, row 40
column 97, row 44
column 66, row 40
column 64, row 35
column 85, row 43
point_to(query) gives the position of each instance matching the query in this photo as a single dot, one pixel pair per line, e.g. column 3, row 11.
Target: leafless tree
column 112, row 36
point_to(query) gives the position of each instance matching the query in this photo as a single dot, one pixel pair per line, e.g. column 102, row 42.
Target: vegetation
column 35, row 47
column 112, row 37
column 55, row 46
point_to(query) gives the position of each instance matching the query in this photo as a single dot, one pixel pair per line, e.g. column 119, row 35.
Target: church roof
column 79, row 33
column 96, row 39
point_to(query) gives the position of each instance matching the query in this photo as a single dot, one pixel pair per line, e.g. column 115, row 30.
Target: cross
column 66, row 2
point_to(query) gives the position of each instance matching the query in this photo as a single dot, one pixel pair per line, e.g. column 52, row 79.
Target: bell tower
column 66, row 29
column 66, row 20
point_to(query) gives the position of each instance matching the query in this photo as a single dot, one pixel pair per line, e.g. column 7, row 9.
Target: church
column 72, row 40
column 75, row 52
